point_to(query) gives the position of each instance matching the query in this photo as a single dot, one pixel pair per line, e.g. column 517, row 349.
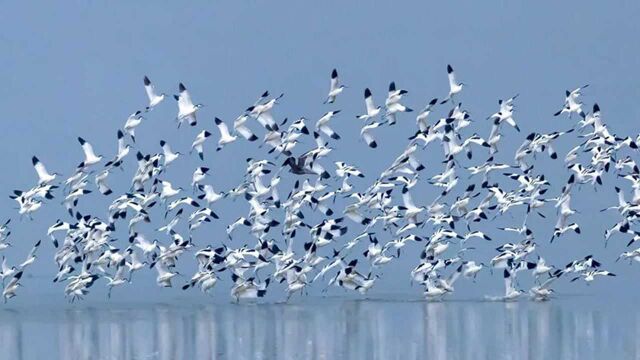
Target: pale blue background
column 75, row 69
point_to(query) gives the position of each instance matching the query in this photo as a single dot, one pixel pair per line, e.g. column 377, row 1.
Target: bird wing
column 224, row 130
column 453, row 277
column 367, row 136
column 326, row 130
column 548, row 282
column 562, row 222
column 32, row 253
column 5, row 267
column 408, row 201
column 245, row 132
column 508, row 282
column 368, row 101
column 565, row 207
column 319, row 140
column 166, row 149
column 88, row 150
column 452, row 79
column 334, row 81
column 184, row 101
column 41, row 170
column 121, row 271
column 121, row 145
column 151, row 93
column 266, row 118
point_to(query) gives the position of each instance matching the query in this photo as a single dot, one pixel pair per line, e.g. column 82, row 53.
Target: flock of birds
column 389, row 223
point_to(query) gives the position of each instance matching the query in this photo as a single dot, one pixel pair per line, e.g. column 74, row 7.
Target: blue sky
column 77, row 69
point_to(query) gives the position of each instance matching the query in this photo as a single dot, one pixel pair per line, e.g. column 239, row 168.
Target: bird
column 367, row 136
column 335, row 89
column 571, row 103
column 44, row 177
column 225, row 137
column 312, row 213
column 154, row 98
column 90, row 158
column 589, row 276
column 421, row 119
column 454, row 86
column 169, row 155
column 186, row 108
column 198, row 143
column 123, row 151
column 372, row 110
column 133, row 121
column 11, row 287
column 240, row 128
column 393, row 105
column 323, row 124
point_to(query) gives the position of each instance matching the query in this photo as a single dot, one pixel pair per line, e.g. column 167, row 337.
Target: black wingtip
column 147, row 82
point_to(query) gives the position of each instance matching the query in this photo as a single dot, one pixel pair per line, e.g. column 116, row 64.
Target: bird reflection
column 325, row 330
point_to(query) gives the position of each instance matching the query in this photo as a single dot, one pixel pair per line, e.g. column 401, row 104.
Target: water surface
column 331, row 328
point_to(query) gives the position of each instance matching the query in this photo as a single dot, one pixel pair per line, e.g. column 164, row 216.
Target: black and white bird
column 186, row 108
column 198, row 143
column 154, row 98
column 90, row 157
column 370, row 107
column 225, row 137
column 44, row 177
column 133, row 121
column 301, row 221
column 393, row 105
column 323, row 124
column 335, row 89
column 454, row 86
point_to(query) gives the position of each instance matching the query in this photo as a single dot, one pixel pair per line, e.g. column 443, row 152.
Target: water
column 332, row 328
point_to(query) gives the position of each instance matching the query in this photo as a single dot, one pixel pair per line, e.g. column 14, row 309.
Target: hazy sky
column 77, row 69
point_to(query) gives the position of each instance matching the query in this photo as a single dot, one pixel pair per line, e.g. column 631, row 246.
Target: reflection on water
column 328, row 329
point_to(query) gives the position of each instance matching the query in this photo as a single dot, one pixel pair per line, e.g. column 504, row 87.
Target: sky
column 77, row 69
